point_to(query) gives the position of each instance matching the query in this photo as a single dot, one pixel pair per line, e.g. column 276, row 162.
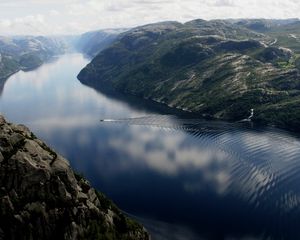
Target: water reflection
column 2, row 84
column 178, row 175
column 184, row 178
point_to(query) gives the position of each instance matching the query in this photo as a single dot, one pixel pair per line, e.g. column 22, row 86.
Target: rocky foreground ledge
column 42, row 198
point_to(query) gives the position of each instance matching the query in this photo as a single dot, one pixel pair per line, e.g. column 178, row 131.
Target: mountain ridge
column 213, row 68
column 27, row 52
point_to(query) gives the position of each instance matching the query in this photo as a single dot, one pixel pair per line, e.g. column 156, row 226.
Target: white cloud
column 54, row 13
column 228, row 3
column 26, row 25
column 5, row 23
column 74, row 16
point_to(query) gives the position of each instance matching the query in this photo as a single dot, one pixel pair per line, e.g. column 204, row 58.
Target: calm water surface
column 182, row 178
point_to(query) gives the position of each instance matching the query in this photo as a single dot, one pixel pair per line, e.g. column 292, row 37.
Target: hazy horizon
column 54, row 17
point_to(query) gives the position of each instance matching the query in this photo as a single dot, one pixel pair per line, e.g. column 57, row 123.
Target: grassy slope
column 7, row 67
column 26, row 53
column 205, row 67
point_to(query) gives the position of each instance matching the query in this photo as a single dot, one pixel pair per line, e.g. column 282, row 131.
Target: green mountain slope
column 91, row 43
column 285, row 33
column 215, row 68
column 25, row 53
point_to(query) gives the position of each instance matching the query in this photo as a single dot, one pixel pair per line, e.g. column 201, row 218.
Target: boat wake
column 264, row 163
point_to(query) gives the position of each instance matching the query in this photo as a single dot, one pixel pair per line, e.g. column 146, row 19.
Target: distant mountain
column 218, row 68
column 91, row 43
column 263, row 25
column 25, row 53
column 284, row 32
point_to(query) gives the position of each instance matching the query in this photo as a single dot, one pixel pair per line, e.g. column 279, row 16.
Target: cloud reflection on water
column 159, row 166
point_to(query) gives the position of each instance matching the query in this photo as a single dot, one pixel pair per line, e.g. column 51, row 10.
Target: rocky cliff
column 42, row 198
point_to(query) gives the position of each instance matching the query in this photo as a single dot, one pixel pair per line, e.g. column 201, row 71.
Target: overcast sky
column 44, row 17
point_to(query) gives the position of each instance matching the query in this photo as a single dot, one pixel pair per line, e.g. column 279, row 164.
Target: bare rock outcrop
column 42, row 198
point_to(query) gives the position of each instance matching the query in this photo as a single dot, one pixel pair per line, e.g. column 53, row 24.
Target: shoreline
column 39, row 186
column 108, row 89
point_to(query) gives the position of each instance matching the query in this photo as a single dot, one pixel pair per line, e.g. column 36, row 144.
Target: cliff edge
column 42, row 198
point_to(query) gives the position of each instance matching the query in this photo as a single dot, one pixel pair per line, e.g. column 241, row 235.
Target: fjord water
column 182, row 178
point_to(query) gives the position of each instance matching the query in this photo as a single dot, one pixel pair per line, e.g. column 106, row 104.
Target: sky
column 48, row 17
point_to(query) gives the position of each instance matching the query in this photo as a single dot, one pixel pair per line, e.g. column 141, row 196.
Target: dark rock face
column 42, row 198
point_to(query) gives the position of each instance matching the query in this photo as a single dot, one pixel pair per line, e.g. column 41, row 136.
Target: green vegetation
column 28, row 61
column 7, row 67
column 215, row 68
column 286, row 65
column 121, row 223
column 26, row 53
